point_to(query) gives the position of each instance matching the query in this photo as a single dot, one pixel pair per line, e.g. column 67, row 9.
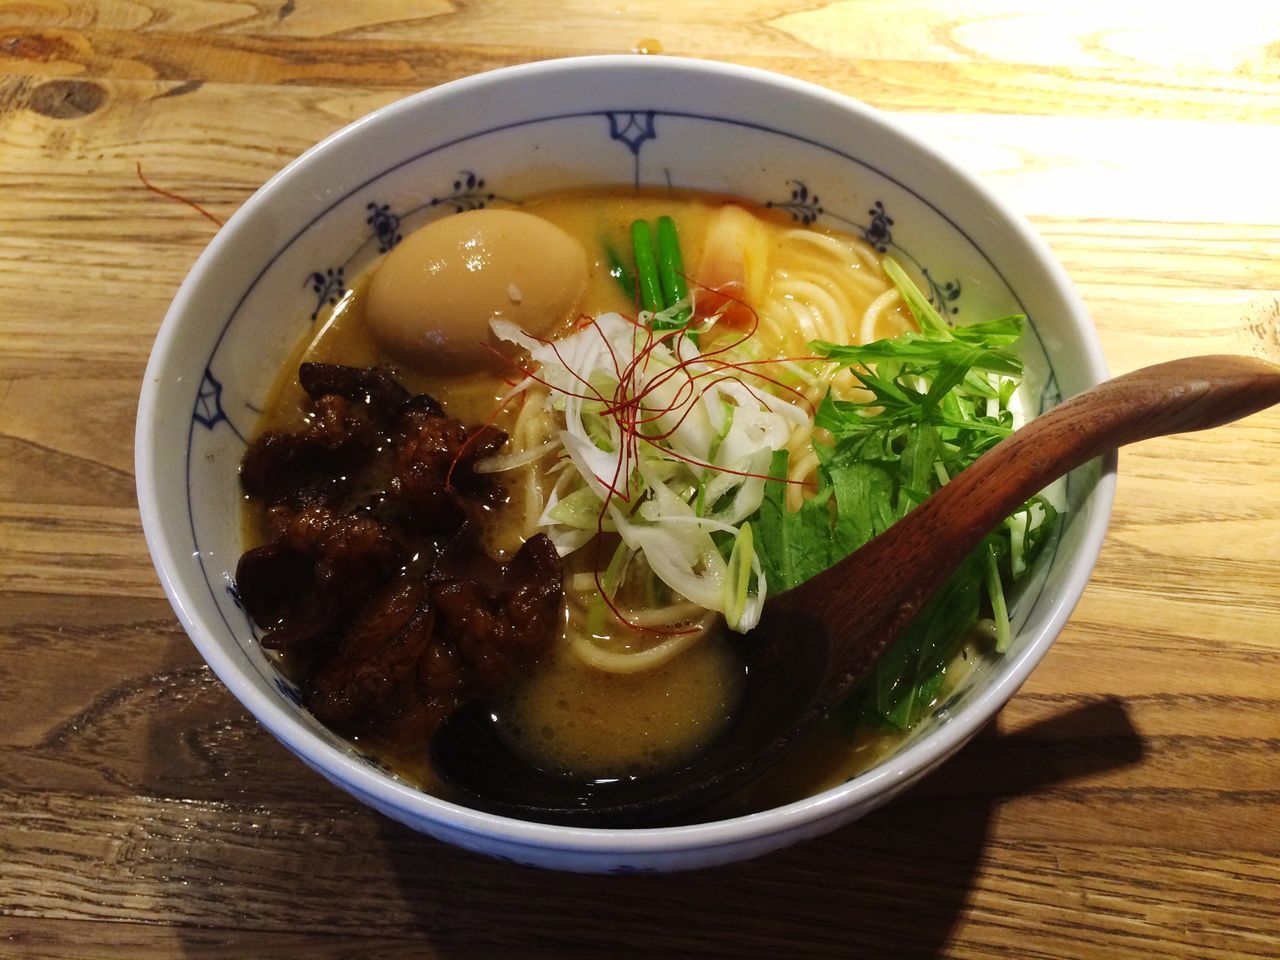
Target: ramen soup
column 558, row 456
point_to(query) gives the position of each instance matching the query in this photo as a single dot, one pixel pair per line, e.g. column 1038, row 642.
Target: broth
column 570, row 717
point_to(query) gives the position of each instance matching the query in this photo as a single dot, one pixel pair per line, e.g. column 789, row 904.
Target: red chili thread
column 470, row 438
column 174, row 196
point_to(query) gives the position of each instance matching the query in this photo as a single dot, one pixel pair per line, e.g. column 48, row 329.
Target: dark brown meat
column 427, row 446
column 499, row 617
column 481, row 442
column 434, row 467
column 374, row 678
column 314, row 573
column 313, row 465
column 372, row 572
column 375, row 388
column 421, row 648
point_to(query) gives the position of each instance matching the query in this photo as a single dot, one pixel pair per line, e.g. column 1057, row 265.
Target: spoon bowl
column 817, row 640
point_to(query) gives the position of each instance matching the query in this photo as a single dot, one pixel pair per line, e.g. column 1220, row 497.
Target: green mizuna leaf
column 935, row 401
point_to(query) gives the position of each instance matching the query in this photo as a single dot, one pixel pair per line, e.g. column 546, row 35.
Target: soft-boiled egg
column 432, row 298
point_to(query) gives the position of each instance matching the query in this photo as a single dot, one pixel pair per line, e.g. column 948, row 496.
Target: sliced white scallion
column 668, row 448
column 501, row 464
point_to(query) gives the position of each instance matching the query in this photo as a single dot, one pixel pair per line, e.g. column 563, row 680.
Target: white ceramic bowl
column 298, row 242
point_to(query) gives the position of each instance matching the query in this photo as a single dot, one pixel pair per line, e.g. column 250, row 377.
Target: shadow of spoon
column 815, row 641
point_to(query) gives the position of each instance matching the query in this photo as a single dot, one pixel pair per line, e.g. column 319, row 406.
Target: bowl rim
column 903, row 767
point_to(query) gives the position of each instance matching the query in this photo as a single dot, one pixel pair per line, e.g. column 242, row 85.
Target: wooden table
column 1126, row 803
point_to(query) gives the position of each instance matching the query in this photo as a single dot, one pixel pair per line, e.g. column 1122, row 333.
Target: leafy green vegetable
column 792, row 546
column 927, row 318
column 935, row 402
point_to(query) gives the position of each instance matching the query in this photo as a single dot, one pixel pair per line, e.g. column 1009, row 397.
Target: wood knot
column 41, row 47
column 66, row 99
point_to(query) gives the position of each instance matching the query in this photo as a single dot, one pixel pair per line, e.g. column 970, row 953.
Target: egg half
column 432, row 298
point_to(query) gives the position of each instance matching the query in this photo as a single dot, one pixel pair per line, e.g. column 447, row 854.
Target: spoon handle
column 914, row 557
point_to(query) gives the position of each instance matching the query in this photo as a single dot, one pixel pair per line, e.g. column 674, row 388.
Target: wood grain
column 1126, row 803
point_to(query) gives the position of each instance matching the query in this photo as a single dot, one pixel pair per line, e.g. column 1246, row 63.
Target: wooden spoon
column 817, row 640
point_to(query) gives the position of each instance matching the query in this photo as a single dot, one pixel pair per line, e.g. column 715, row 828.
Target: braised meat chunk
column 314, row 572
column 500, row 616
column 313, row 465
column 433, row 473
column 375, row 388
column 372, row 680
column 424, row 646
column 372, row 575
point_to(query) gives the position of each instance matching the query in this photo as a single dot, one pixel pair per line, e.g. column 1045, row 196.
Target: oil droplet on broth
column 570, row 717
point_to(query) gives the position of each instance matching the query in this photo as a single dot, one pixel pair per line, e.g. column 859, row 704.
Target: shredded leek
column 667, row 449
